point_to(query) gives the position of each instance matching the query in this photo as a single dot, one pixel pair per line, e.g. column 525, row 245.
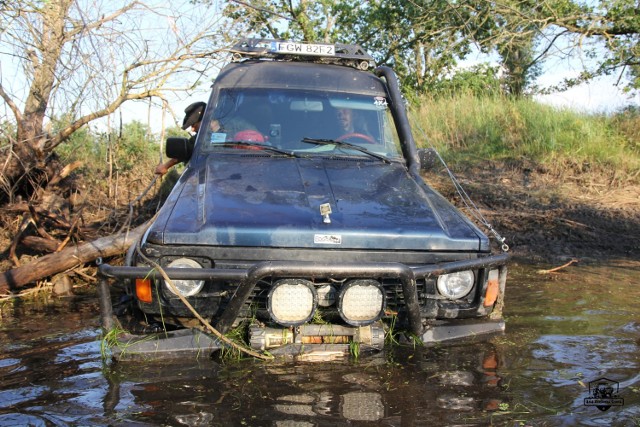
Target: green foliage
column 134, row 146
column 237, row 335
column 354, row 350
column 135, row 143
column 308, row 21
column 627, row 123
column 518, row 58
column 479, row 80
column 418, row 39
column 470, row 127
column 82, row 145
column 110, row 340
column 391, row 336
column 175, row 131
column 622, row 26
column 422, row 40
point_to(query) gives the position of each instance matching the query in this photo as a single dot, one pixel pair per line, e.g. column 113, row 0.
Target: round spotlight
column 292, row 302
column 186, row 288
column 361, row 302
column 456, row 285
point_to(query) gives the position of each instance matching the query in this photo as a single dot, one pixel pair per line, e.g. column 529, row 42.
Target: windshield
column 283, row 119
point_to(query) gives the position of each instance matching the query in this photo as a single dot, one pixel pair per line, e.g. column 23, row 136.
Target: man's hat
column 193, row 114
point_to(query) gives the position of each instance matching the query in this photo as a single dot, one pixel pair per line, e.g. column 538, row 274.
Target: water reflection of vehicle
column 393, row 388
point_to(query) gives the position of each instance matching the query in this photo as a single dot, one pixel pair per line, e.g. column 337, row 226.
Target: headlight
column 292, row 302
column 456, row 285
column 186, row 288
column 361, row 302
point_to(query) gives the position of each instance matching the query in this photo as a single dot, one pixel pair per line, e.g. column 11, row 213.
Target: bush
column 478, row 80
column 627, row 122
column 101, row 152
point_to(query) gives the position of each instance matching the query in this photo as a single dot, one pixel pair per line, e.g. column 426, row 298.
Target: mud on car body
column 303, row 213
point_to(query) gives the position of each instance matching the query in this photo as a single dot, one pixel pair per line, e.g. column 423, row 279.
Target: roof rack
column 338, row 53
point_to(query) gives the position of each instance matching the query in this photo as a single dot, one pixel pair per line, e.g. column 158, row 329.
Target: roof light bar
column 343, row 54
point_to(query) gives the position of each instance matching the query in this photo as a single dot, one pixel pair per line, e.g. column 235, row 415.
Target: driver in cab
column 353, row 128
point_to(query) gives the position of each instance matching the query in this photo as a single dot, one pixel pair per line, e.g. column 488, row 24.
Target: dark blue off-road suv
column 302, row 216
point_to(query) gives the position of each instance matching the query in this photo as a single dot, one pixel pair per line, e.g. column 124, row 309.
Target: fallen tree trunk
column 40, row 244
column 70, row 257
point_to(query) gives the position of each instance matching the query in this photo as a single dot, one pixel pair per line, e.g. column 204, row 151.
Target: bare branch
column 86, row 59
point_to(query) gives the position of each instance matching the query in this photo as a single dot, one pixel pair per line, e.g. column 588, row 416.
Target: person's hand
column 161, row 169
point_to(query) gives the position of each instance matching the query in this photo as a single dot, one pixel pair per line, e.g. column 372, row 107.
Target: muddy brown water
column 566, row 333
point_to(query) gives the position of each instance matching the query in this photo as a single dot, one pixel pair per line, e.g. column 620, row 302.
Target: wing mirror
column 178, row 148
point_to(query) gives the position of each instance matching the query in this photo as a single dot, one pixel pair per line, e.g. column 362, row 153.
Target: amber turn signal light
column 493, row 289
column 143, row 290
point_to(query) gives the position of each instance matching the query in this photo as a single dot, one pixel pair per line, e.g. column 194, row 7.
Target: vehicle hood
column 258, row 200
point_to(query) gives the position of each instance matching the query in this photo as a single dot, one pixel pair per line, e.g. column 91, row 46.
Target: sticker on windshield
column 327, row 239
column 380, row 101
column 218, row 137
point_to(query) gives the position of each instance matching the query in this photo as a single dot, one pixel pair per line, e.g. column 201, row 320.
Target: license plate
column 303, row 48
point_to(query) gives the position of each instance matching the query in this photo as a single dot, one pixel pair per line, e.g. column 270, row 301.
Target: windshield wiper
column 257, row 145
column 320, row 141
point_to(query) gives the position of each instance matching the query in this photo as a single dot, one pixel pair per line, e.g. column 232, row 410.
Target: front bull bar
column 249, row 277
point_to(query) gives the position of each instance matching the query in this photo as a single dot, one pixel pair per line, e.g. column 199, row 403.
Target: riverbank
column 553, row 215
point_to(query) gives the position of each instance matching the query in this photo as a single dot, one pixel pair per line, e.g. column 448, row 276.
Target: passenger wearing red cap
column 236, row 129
column 249, row 135
column 193, row 118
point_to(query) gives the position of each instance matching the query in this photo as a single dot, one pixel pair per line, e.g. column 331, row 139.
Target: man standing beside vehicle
column 193, row 119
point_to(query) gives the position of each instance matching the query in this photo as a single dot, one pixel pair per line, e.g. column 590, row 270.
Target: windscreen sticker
column 218, row 137
column 327, row 239
column 380, row 101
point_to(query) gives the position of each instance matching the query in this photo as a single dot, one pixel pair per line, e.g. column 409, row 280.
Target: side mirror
column 428, row 158
column 178, row 148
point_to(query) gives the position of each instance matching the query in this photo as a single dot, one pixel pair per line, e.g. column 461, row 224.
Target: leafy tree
column 283, row 19
column 616, row 23
column 418, row 38
column 135, row 143
column 518, row 59
column 479, row 80
column 606, row 31
column 515, row 40
column 424, row 39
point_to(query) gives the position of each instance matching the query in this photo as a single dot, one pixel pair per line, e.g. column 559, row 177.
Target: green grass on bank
column 468, row 128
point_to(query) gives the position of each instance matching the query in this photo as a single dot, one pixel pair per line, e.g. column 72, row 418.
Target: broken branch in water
column 553, row 270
